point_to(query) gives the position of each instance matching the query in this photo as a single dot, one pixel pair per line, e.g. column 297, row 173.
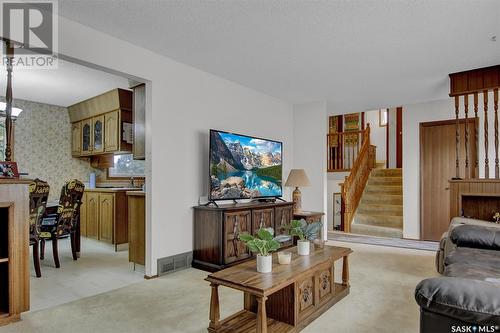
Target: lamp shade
column 297, row 178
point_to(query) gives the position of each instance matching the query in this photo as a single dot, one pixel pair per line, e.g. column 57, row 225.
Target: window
column 126, row 167
column 382, row 117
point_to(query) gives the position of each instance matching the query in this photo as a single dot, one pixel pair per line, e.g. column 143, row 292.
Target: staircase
column 380, row 211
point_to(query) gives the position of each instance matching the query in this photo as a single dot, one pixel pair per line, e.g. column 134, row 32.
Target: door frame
column 399, row 137
column 474, row 120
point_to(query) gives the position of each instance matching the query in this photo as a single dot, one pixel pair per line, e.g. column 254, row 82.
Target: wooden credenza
column 216, row 231
column 14, row 249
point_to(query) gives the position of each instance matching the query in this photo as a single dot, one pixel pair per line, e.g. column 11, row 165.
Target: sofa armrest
column 476, row 236
column 472, row 301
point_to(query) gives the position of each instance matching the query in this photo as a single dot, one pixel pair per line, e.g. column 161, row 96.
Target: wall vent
column 174, row 263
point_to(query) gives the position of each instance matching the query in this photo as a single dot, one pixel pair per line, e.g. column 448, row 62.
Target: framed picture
column 8, row 170
column 382, row 117
column 337, row 211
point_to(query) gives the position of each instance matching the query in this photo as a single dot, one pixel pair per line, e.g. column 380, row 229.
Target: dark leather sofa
column 467, row 296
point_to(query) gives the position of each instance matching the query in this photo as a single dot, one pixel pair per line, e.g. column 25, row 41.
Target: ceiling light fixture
column 493, row 38
column 15, row 111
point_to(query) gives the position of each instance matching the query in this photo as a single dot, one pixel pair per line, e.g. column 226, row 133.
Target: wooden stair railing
column 343, row 149
column 354, row 184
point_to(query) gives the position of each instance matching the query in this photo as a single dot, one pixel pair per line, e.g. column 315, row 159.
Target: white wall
column 378, row 135
column 309, row 153
column 413, row 115
column 183, row 103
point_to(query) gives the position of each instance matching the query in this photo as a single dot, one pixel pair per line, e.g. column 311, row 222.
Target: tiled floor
column 99, row 270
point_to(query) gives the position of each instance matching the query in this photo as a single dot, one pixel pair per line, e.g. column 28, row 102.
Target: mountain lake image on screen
column 243, row 167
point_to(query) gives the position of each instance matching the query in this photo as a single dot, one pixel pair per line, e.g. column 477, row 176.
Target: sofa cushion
column 466, row 255
column 473, row 271
column 476, row 236
column 472, row 301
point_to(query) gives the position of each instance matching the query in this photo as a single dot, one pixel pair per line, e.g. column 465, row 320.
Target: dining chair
column 64, row 222
column 38, row 195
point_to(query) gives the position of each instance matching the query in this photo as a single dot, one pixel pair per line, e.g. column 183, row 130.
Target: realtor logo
column 32, row 26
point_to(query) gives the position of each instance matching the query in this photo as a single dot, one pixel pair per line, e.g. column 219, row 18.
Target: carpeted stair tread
column 384, row 189
column 373, row 230
column 378, row 198
column 381, row 209
column 381, row 220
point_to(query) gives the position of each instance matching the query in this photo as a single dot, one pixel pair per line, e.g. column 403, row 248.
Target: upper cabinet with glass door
column 102, row 124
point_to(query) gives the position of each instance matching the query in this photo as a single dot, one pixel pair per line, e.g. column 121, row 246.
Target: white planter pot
column 264, row 263
column 303, row 248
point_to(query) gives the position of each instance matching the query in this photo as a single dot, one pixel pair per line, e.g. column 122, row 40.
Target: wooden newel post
column 214, row 308
column 8, row 99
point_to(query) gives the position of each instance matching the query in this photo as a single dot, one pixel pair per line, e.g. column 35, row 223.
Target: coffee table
column 286, row 300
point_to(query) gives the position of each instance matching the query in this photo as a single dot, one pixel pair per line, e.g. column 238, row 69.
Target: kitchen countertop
column 113, row 189
column 136, row 193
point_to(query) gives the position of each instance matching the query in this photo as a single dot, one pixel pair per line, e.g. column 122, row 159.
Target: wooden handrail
column 354, row 184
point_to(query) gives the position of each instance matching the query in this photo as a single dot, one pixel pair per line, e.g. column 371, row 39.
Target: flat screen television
column 244, row 167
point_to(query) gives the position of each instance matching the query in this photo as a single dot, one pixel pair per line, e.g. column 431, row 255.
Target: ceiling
column 358, row 53
column 69, row 84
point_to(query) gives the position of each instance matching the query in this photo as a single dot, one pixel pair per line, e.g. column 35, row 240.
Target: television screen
column 243, row 167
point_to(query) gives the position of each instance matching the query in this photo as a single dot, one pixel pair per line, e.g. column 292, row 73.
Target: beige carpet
column 381, row 300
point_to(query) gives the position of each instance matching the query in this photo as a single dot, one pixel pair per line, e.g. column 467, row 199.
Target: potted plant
column 306, row 232
column 263, row 244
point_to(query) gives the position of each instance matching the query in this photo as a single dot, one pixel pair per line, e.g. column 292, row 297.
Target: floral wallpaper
column 42, row 146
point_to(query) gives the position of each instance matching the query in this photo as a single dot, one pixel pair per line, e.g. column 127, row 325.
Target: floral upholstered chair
column 38, row 194
column 64, row 222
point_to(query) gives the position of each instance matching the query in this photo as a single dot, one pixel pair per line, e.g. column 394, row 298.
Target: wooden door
column 437, row 167
column 98, row 134
column 112, row 131
column 83, row 216
column 106, row 216
column 87, row 142
column 76, row 139
column 283, row 217
column 92, row 214
column 399, row 137
column 234, row 224
column 262, row 218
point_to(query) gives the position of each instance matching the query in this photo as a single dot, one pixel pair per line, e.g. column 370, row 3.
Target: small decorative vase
column 303, row 248
column 264, row 263
column 284, row 258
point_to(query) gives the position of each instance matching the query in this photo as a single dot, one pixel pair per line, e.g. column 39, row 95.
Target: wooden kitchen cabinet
column 106, row 216
column 91, row 215
column 76, row 139
column 112, row 131
column 98, row 133
column 87, row 142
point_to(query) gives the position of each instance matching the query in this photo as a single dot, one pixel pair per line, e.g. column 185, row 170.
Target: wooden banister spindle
column 476, row 164
column 466, row 107
column 495, row 104
column 8, row 99
column 457, row 138
column 486, row 160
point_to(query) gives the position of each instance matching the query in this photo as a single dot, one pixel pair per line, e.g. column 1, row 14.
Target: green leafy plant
column 263, row 243
column 305, row 231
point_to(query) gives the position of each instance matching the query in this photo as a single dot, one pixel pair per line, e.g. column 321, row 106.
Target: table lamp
column 296, row 178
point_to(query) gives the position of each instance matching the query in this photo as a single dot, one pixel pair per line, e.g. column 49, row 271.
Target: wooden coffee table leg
column 345, row 271
column 261, row 315
column 214, row 307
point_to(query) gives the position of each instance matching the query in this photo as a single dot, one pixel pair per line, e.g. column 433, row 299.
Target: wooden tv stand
column 216, row 230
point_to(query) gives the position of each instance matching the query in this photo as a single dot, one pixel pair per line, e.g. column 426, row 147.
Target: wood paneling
column 473, row 188
column 474, row 80
column 437, row 167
